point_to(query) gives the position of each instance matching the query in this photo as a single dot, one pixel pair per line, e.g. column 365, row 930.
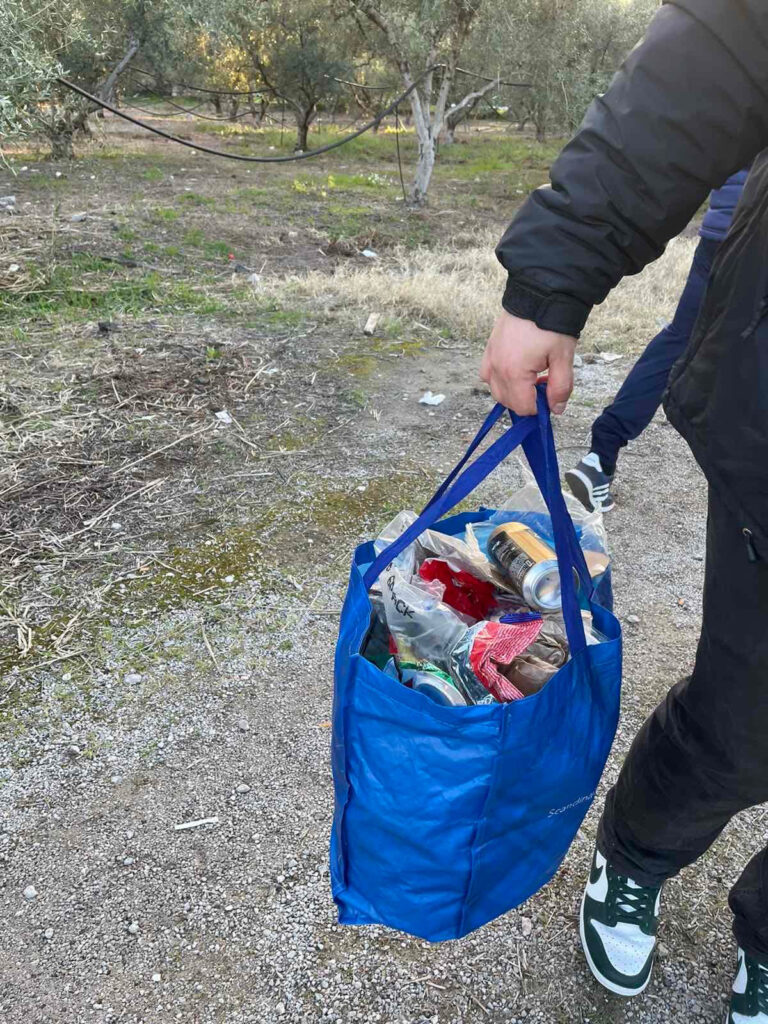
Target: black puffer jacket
column 688, row 108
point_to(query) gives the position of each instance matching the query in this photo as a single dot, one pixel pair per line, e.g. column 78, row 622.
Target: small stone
column 578, row 362
column 66, row 677
column 370, row 254
column 280, row 1008
column 7, row 200
column 132, row 678
column 73, row 751
column 663, row 951
column 156, row 977
column 229, row 579
column 48, row 933
column 371, row 323
column 127, row 861
column 526, row 926
column 133, row 928
column 115, row 779
column 243, row 724
column 77, row 217
column 632, row 620
column 30, row 892
column 243, row 788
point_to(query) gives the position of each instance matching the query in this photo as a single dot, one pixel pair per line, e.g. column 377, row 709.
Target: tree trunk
column 107, row 91
column 234, row 105
column 60, row 138
column 303, row 121
column 424, row 169
column 216, row 101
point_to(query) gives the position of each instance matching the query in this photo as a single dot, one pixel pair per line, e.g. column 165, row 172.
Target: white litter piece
column 195, row 824
column 224, row 417
column 578, row 362
column 371, row 323
column 254, row 279
column 7, row 200
column 370, row 254
column 429, row 399
column 14, row 268
column 77, row 217
column 609, row 357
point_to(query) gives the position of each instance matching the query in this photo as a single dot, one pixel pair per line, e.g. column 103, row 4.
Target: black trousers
column 702, row 756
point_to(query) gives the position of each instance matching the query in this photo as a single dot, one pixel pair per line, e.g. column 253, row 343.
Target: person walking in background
column 639, row 396
column 688, row 108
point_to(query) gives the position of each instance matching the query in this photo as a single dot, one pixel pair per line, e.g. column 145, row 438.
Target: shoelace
column 635, row 903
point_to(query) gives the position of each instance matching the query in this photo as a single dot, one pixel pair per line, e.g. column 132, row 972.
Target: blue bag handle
column 535, row 434
column 491, row 419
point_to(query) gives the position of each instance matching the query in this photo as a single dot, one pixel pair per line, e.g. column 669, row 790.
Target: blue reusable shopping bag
column 447, row 817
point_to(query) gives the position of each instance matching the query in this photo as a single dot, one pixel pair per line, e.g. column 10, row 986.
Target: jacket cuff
column 551, row 311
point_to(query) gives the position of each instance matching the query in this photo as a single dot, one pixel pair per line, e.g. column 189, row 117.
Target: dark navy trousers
column 639, row 397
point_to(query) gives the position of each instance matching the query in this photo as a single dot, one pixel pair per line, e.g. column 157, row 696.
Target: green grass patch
column 163, row 214
column 153, row 174
column 195, row 199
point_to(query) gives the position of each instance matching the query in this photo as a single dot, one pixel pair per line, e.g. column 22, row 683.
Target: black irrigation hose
column 159, row 113
column 459, row 71
column 205, row 117
column 251, row 159
column 342, row 81
column 197, row 88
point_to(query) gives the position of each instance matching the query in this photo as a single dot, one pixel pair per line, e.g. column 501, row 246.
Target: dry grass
column 458, row 289
column 25, row 254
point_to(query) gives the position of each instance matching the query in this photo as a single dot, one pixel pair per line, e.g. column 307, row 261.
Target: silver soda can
column 529, row 563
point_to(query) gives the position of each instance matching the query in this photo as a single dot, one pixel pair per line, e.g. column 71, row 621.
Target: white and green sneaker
column 749, row 999
column 618, row 928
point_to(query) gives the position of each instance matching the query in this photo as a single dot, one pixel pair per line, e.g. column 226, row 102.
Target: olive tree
column 417, row 35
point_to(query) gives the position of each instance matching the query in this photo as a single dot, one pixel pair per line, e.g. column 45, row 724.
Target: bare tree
column 433, row 34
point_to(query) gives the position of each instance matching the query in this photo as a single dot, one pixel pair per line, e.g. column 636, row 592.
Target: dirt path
column 219, row 708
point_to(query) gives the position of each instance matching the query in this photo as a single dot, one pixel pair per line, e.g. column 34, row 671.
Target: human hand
column 516, row 353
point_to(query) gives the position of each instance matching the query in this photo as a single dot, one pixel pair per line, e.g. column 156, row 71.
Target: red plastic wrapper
column 463, row 591
column 493, row 650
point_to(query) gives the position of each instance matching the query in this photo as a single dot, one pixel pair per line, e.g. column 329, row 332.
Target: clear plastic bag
column 528, row 506
column 423, row 627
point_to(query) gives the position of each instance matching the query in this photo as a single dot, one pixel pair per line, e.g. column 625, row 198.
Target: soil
column 178, row 660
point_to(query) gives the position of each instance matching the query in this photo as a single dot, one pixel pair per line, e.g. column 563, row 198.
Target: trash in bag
column 480, row 660
column 464, row 592
column 421, row 624
column 427, row 679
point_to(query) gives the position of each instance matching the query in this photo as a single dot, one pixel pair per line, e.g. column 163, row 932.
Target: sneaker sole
column 581, row 488
column 605, row 982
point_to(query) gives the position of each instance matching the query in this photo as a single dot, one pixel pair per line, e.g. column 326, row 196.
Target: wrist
column 550, row 311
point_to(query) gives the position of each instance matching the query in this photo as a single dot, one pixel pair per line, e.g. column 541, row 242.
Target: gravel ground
column 110, row 913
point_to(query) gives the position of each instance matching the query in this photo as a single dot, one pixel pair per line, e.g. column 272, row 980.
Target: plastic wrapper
column 421, row 624
column 407, row 561
column 464, row 592
column 481, row 658
column 464, row 553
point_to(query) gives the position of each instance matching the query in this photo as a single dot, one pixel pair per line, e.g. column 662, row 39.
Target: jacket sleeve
column 688, row 108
